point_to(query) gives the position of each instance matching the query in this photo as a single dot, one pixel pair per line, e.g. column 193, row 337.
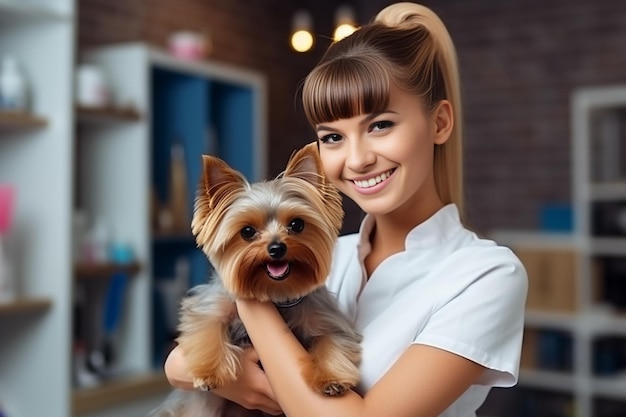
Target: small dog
column 272, row 241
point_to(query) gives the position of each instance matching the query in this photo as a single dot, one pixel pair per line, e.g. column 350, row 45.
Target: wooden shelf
column 24, row 305
column 119, row 391
column 20, row 121
column 106, row 270
column 107, row 114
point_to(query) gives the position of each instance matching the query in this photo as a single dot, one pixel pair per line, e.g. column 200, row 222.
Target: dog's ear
column 219, row 185
column 218, row 179
column 306, row 164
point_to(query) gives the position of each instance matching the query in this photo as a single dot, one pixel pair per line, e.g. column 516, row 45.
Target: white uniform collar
column 433, row 231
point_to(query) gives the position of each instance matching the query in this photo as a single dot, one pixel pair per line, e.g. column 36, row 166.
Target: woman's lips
column 373, row 184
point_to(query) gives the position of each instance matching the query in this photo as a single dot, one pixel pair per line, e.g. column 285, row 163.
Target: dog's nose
column 277, row 250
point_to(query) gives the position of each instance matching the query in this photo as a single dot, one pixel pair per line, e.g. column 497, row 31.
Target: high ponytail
column 448, row 163
column 406, row 45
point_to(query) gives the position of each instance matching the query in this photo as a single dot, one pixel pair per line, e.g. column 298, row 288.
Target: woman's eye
column 248, row 233
column 296, row 225
column 381, row 125
column 331, row 138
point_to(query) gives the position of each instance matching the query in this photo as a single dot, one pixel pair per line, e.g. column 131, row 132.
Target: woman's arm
column 423, row 382
column 251, row 390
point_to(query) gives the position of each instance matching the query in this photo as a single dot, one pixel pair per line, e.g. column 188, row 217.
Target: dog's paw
column 202, row 384
column 210, row 379
column 335, row 389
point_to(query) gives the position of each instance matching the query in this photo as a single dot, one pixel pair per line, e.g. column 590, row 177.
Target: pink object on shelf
column 7, row 203
column 187, row 45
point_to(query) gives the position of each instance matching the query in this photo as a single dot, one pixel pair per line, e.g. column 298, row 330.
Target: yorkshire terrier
column 271, row 241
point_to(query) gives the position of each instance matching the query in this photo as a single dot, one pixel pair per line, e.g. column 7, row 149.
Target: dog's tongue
column 277, row 269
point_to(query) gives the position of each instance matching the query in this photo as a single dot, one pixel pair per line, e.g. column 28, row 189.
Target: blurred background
column 105, row 107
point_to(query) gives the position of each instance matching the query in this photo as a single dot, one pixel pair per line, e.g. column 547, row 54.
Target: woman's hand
column 251, row 390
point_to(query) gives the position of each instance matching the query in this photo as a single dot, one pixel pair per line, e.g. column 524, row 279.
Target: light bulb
column 342, row 31
column 344, row 23
column 302, row 40
column 302, row 36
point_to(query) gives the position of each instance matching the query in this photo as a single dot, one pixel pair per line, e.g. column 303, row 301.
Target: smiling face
column 384, row 160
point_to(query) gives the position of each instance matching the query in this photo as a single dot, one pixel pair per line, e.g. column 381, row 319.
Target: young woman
column 441, row 310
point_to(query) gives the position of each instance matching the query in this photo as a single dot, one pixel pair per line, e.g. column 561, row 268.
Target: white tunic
column 449, row 289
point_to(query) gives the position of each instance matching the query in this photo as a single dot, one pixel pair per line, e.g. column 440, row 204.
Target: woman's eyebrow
column 322, row 127
column 368, row 118
column 372, row 116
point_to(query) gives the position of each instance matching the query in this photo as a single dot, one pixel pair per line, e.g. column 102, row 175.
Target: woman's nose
column 359, row 156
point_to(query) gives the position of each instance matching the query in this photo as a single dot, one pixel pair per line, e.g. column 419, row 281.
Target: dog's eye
column 296, row 225
column 248, row 232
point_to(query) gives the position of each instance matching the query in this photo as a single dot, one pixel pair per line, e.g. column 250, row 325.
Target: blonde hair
column 407, row 45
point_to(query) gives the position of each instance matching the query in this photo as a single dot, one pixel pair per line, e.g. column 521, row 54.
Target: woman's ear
column 444, row 121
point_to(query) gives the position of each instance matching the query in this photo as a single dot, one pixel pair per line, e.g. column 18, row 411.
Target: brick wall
column 520, row 61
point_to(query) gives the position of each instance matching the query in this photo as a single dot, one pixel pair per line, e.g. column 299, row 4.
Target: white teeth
column 373, row 181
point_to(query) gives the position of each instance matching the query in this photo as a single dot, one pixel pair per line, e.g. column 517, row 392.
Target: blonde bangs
column 345, row 88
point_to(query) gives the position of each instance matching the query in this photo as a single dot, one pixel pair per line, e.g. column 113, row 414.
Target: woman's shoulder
column 483, row 261
column 489, row 251
column 471, row 260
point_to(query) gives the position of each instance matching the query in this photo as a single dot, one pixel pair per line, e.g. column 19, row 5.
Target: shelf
column 99, row 271
column 536, row 239
column 112, row 393
column 602, row 323
column 592, row 323
column 15, row 10
column 557, row 321
column 11, row 121
column 608, row 191
column 24, row 305
column 93, row 115
column 558, row 381
column 608, row 246
column 605, row 387
column 173, row 238
column 610, row 387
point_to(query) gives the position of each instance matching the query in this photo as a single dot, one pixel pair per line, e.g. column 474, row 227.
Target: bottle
column 92, row 88
column 100, row 241
column 178, row 198
column 13, row 86
column 7, row 272
column 7, row 277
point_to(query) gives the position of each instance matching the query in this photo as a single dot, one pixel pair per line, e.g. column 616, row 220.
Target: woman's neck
column 389, row 234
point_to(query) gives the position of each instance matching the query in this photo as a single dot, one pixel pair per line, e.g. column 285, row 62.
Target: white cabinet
column 59, row 159
column 36, row 158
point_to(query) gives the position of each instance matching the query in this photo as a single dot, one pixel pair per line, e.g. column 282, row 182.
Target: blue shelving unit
column 206, row 116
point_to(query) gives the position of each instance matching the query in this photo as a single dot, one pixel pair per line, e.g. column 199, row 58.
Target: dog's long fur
column 272, row 241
